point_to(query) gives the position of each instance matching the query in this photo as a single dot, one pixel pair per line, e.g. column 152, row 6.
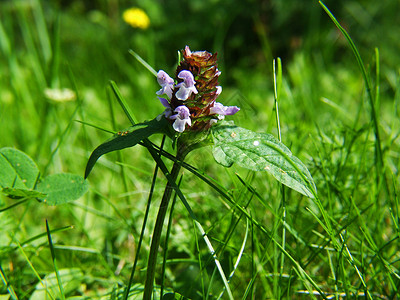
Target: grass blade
column 367, row 81
column 34, row 271
column 216, row 261
column 122, row 102
column 143, row 62
column 53, row 256
column 7, row 284
column 241, row 251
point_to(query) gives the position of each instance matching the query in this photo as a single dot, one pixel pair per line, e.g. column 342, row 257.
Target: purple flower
column 186, row 87
column 181, row 118
column 168, row 111
column 219, row 109
column 166, row 83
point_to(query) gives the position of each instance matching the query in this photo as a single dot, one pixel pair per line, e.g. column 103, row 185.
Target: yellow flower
column 136, row 17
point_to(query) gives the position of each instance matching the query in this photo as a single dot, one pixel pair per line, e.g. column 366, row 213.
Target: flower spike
column 193, row 97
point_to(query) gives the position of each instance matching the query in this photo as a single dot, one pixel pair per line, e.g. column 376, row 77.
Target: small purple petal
column 179, row 125
column 183, row 112
column 186, row 87
column 167, row 112
column 219, row 109
column 163, row 78
column 181, row 118
column 167, row 90
column 166, row 83
column 164, row 102
column 187, row 77
column 183, row 93
column 231, row 110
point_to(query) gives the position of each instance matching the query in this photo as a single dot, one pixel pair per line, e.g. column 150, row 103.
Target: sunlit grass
column 283, row 245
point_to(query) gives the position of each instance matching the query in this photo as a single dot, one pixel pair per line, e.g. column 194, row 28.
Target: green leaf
column 72, row 280
column 22, row 193
column 62, row 188
column 261, row 152
column 18, row 170
column 128, row 138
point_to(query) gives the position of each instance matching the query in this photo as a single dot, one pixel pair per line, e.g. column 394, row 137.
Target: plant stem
column 155, row 241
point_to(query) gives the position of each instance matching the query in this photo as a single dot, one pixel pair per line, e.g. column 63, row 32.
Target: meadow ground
column 338, row 107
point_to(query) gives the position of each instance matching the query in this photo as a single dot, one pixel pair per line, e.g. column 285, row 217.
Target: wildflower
column 186, row 87
column 197, row 88
column 166, row 83
column 136, row 17
column 181, row 118
column 222, row 110
column 168, row 111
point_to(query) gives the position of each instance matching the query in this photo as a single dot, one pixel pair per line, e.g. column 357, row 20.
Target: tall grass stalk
column 53, row 256
column 372, row 102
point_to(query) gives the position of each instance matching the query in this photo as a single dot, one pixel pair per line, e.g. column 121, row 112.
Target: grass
column 271, row 242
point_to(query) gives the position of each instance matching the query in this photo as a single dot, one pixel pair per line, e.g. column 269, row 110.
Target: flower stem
column 155, row 241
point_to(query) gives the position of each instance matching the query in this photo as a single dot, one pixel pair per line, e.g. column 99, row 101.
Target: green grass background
column 325, row 119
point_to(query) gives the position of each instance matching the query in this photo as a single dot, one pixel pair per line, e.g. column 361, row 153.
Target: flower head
column 193, row 98
column 136, row 17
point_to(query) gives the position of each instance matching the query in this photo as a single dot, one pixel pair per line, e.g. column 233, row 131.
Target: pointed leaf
column 261, row 152
column 62, row 188
column 128, row 138
column 18, row 170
